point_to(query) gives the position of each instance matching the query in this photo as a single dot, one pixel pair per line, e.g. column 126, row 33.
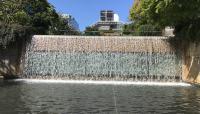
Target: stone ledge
column 193, row 83
column 8, row 77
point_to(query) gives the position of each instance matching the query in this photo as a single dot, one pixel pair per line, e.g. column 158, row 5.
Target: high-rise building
column 71, row 22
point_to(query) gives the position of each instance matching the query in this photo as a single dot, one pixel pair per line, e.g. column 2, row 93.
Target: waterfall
column 102, row 58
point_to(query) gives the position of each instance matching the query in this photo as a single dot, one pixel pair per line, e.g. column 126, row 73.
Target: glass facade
column 71, row 22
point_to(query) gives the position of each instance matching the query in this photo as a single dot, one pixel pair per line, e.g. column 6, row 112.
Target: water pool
column 28, row 97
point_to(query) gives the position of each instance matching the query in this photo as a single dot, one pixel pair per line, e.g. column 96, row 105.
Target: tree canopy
column 183, row 15
column 19, row 18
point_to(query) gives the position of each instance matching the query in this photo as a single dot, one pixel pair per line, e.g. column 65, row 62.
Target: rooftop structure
column 109, row 21
column 108, row 15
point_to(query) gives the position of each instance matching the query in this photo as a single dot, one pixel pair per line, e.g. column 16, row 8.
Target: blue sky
column 86, row 12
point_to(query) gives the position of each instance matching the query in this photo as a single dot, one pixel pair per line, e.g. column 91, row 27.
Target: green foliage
column 13, row 33
column 92, row 31
column 184, row 15
column 142, row 30
column 35, row 16
column 149, row 30
column 128, row 29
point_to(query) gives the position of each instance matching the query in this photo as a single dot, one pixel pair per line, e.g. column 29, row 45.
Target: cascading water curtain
column 102, row 58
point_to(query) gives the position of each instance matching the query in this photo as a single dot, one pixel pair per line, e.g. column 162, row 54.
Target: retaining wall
column 191, row 64
column 10, row 66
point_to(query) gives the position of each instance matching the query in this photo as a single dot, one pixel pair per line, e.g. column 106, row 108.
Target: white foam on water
column 104, row 82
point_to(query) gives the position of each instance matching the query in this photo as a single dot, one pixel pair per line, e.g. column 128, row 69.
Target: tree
column 31, row 16
column 183, row 16
column 35, row 13
column 128, row 27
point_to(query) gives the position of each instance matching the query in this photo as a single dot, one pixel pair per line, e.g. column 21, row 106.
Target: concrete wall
column 10, row 66
column 10, row 61
column 191, row 64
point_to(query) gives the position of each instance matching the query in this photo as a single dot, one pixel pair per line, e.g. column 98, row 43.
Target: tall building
column 109, row 15
column 109, row 21
column 71, row 22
